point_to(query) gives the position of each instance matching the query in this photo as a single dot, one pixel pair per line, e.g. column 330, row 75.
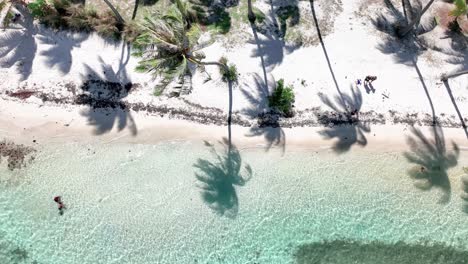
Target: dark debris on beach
column 99, row 94
column 16, row 155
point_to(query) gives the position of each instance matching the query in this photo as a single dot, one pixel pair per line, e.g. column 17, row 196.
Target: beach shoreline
column 25, row 122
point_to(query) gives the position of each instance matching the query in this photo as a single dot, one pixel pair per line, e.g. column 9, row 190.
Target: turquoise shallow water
column 146, row 204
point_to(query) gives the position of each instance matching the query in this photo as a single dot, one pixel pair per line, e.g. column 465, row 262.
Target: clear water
column 145, row 204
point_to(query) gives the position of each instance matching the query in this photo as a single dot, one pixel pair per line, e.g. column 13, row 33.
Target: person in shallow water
column 61, row 206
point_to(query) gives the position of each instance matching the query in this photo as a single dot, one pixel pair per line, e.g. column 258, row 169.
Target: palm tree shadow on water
column 218, row 179
column 268, row 125
column 104, row 96
column 431, row 161
column 464, row 195
column 349, row 251
column 344, row 123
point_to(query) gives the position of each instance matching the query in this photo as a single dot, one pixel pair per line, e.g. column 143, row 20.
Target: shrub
column 222, row 21
column 81, row 18
column 8, row 18
column 259, row 15
column 63, row 14
column 131, row 31
column 230, row 74
column 39, row 8
column 107, row 25
column 2, row 5
column 282, row 99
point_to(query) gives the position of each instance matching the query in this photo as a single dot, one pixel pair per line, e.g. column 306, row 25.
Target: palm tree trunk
column 445, row 77
column 403, row 32
column 137, row 2
column 251, row 14
column 226, row 68
column 229, row 116
column 219, row 64
column 116, row 13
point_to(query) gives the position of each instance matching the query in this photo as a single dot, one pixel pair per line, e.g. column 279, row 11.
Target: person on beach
column 61, row 206
column 58, row 199
column 369, row 79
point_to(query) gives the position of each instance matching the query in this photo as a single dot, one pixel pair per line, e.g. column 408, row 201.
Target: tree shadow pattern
column 268, row 122
column 272, row 47
column 407, row 50
column 61, row 45
column 284, row 14
column 349, row 251
column 104, row 95
column 431, row 160
column 344, row 123
column 465, row 190
column 218, row 179
column 213, row 13
column 322, row 43
column 18, row 46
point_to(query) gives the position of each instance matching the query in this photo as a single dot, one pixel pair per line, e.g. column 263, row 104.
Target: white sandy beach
column 40, row 60
column 143, row 178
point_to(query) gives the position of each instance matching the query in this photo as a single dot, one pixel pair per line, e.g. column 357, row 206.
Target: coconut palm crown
column 167, row 46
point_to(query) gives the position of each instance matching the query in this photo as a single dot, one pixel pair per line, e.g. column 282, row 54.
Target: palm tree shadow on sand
column 271, row 46
column 343, row 123
column 431, row 161
column 61, row 46
column 218, row 179
column 18, row 47
column 104, row 95
column 269, row 128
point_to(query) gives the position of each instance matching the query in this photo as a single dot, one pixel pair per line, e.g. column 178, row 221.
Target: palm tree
column 404, row 31
column 187, row 10
column 445, row 77
column 168, row 47
column 137, row 2
column 251, row 14
column 116, row 13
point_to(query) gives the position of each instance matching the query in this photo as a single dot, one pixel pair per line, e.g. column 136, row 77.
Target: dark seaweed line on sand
column 312, row 117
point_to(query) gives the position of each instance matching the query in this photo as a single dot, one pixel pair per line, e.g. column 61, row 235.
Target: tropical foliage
column 460, row 12
column 229, row 74
column 282, row 99
column 63, row 14
column 168, row 45
column 460, row 8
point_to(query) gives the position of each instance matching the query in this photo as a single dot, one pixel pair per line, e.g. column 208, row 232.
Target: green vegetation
column 460, row 13
column 167, row 46
column 259, row 15
column 229, row 73
column 222, row 21
column 62, row 14
column 288, row 16
column 2, row 5
column 282, row 99
column 9, row 16
column 38, row 8
column 460, row 8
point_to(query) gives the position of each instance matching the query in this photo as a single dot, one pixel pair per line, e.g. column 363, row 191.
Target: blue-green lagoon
column 191, row 202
